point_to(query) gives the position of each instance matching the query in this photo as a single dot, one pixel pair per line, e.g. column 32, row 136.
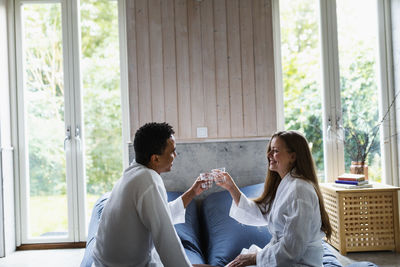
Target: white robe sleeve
column 178, row 211
column 247, row 212
column 155, row 214
column 297, row 234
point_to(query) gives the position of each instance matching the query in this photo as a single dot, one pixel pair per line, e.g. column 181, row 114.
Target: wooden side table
column 364, row 219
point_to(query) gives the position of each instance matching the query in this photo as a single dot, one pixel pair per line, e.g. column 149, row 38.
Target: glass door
column 45, row 152
column 101, row 98
column 69, row 117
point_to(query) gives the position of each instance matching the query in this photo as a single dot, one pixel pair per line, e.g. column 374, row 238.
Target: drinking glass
column 209, row 177
column 217, row 177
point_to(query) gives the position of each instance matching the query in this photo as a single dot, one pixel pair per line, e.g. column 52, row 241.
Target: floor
column 380, row 258
column 44, row 258
column 73, row 257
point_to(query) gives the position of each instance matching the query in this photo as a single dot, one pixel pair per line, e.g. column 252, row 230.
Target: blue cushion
column 225, row 237
column 92, row 230
column 189, row 232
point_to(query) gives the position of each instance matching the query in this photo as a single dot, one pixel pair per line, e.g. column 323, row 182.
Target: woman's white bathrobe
column 294, row 222
column 137, row 218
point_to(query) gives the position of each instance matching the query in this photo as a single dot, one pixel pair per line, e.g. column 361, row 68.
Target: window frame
column 332, row 149
column 76, row 187
column 332, row 113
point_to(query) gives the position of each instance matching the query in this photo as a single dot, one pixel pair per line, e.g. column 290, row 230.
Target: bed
column 209, row 235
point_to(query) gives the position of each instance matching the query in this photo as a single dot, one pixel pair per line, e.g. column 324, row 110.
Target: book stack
column 352, row 181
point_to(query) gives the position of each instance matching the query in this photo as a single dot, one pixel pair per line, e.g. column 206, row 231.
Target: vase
column 359, row 167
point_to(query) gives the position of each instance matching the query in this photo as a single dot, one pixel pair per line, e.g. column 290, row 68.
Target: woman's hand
column 224, row 180
column 243, row 260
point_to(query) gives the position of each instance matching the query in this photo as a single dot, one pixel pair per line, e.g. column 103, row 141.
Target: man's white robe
column 137, row 218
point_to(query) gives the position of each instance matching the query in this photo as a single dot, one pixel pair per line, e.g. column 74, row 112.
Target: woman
column 291, row 206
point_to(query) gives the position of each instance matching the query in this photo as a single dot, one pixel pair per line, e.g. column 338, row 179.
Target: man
column 137, row 216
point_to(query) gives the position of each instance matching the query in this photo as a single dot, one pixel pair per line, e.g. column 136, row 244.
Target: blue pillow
column 225, row 237
column 189, row 232
column 92, row 230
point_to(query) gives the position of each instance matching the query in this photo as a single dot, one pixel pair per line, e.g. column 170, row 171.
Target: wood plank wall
column 202, row 63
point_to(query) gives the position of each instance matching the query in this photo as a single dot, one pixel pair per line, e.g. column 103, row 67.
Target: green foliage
column 46, row 162
column 301, row 70
column 303, row 89
column 360, row 112
column 98, row 24
column 50, row 213
column 44, row 96
column 101, row 95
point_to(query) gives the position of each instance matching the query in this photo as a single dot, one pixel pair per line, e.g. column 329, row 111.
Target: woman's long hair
column 303, row 168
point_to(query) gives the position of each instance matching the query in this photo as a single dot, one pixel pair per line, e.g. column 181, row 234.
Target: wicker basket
column 363, row 219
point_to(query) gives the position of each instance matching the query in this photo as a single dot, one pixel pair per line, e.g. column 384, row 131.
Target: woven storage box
column 363, row 219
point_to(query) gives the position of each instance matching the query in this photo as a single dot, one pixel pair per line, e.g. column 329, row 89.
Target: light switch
column 202, row 132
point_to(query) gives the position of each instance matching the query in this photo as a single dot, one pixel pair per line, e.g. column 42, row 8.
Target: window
column 43, row 101
column 358, row 60
column 101, row 98
column 330, row 54
column 300, row 48
column 70, row 113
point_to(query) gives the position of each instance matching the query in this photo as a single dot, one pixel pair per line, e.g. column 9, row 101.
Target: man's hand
column 243, row 260
column 193, row 191
column 197, row 186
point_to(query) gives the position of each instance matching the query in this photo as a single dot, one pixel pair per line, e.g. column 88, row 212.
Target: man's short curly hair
column 151, row 139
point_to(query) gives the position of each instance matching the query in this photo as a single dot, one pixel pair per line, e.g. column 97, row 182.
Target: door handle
column 67, row 136
column 78, row 137
column 77, row 133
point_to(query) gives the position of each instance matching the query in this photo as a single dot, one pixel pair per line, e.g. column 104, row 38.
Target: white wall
column 395, row 11
column 7, row 214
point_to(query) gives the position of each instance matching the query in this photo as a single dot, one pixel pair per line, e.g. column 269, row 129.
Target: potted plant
column 360, row 141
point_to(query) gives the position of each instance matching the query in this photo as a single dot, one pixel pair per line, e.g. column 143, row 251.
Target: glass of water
column 208, row 177
column 216, row 173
